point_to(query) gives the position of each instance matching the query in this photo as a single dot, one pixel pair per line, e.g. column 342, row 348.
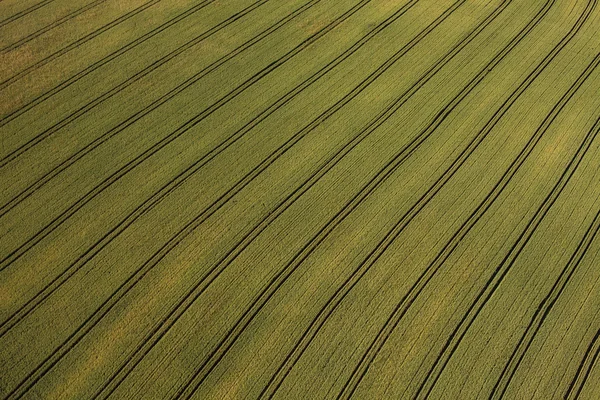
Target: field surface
column 301, row 199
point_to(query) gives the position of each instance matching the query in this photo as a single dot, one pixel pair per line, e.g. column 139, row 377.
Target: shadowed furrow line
column 548, row 302
column 216, row 269
column 509, row 260
column 278, row 280
column 176, row 182
column 406, row 302
column 17, row 253
column 127, row 82
column 23, row 13
column 164, row 325
column 587, row 364
column 53, row 25
column 77, row 43
column 182, row 177
column 494, row 281
column 87, row 325
column 138, row 115
column 160, row 194
column 319, row 320
column 105, row 60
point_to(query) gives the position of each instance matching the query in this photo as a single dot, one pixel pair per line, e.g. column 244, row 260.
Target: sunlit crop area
column 301, row 199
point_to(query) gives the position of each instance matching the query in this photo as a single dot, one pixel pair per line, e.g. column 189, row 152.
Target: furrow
column 550, row 299
column 402, row 307
column 216, row 269
column 126, row 83
column 51, row 26
column 585, row 368
column 156, row 197
column 290, row 267
column 77, row 43
column 353, row 279
column 93, row 319
column 501, row 271
column 23, row 13
column 105, row 60
column 152, row 106
column 17, row 253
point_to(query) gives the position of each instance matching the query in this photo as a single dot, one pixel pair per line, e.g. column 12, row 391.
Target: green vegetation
column 299, row 199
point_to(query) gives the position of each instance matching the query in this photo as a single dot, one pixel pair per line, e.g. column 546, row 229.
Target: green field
column 301, row 199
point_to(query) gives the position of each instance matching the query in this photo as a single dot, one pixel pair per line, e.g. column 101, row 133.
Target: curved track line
column 590, row 358
column 77, row 43
column 134, row 358
column 51, row 26
column 105, row 60
column 216, row 269
column 374, row 255
column 180, row 179
column 149, row 108
column 546, row 305
column 18, row 252
column 280, row 278
column 156, row 198
column 494, row 281
column 127, row 82
column 406, row 302
column 87, row 325
column 23, row 13
column 24, row 194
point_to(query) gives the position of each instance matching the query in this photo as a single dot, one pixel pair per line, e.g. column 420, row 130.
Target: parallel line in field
column 178, row 181
column 80, row 332
column 163, row 326
column 131, row 119
column 501, row 271
column 320, row 319
column 588, row 362
column 24, row 12
column 275, row 283
column 148, row 204
column 127, row 82
column 408, row 299
column 18, row 252
column 51, row 26
column 547, row 304
column 190, row 297
column 181, row 178
column 494, row 281
column 77, row 43
column 103, row 61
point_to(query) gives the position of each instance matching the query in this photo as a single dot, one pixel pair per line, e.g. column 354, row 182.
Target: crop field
column 300, row 199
